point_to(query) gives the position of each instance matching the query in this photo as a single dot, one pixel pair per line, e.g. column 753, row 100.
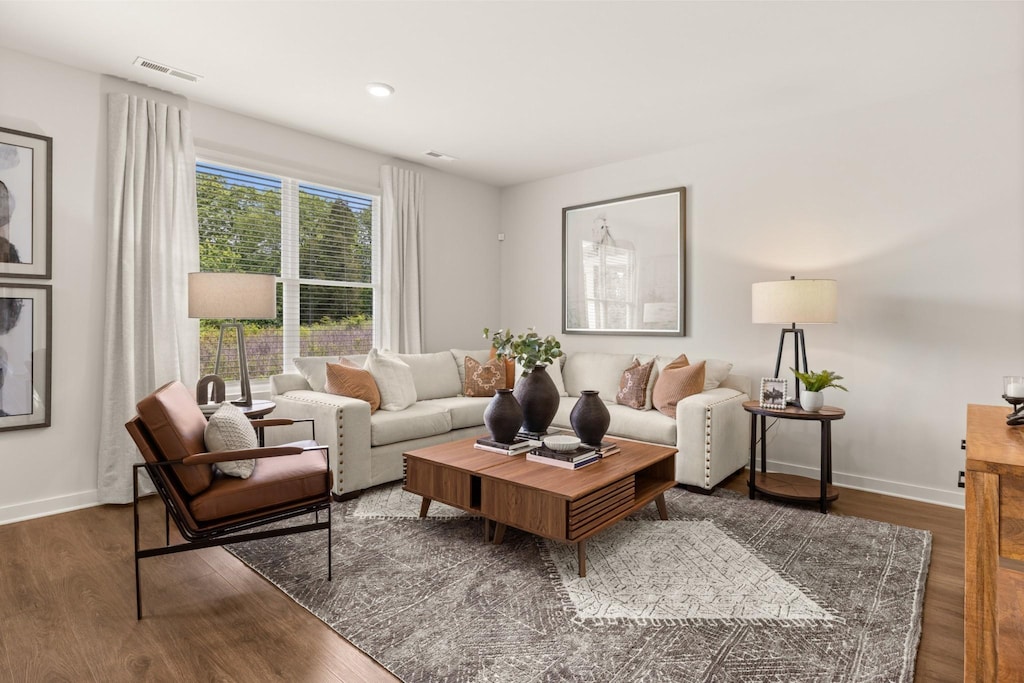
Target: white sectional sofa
column 710, row 430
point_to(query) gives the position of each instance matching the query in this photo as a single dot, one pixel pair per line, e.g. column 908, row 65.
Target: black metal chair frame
column 222, row 534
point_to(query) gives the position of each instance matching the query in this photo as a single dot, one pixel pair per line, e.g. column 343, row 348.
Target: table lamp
column 790, row 302
column 233, row 297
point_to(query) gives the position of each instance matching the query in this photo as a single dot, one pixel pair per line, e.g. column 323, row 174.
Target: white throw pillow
column 314, row 369
column 394, row 379
column 230, row 430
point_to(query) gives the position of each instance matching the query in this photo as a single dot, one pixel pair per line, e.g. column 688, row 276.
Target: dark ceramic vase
column 538, row 397
column 503, row 416
column 589, row 418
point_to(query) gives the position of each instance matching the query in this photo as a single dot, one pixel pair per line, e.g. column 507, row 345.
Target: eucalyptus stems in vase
column 536, row 391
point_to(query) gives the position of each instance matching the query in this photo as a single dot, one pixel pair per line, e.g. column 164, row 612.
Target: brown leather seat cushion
column 275, row 482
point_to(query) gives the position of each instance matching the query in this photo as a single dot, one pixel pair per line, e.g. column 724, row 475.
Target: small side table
column 791, row 486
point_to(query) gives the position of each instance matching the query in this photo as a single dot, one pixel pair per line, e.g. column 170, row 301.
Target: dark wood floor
column 67, row 605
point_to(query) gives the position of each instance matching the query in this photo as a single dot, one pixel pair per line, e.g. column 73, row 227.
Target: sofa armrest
column 340, row 423
column 282, row 384
column 711, row 436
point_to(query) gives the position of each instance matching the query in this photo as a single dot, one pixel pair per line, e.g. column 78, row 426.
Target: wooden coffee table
column 564, row 505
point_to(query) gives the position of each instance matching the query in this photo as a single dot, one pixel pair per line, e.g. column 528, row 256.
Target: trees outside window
column 318, row 241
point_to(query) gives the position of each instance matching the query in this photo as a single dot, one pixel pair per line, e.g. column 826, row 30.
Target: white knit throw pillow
column 228, row 430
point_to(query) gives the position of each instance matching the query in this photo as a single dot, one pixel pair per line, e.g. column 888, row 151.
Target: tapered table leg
column 662, row 508
column 581, row 553
column 424, row 506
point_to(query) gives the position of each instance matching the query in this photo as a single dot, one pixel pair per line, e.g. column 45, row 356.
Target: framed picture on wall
column 24, row 356
column 624, row 265
column 26, row 178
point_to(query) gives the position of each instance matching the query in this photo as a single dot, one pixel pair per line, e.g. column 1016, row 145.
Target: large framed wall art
column 624, row 265
column 26, row 205
column 25, row 313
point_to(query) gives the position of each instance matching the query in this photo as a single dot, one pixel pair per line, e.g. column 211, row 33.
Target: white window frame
column 288, row 275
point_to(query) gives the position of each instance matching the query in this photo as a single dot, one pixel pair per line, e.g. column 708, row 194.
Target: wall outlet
column 501, row 237
column 960, row 480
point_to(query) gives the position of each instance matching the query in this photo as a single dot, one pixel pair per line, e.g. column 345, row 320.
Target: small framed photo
column 773, row 393
column 24, row 356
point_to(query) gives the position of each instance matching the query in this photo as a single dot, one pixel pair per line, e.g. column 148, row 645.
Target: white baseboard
column 953, row 499
column 48, row 506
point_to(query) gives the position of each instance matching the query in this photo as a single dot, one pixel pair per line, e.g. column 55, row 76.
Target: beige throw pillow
column 483, row 379
column 394, row 380
column 345, row 378
column 633, row 385
column 230, row 430
column 676, row 381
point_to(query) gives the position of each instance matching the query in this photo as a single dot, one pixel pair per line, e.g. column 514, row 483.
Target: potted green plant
column 811, row 399
column 536, row 391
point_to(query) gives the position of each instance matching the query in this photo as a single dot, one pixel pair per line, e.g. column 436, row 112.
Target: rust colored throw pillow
column 676, row 381
column 483, row 379
column 510, row 370
column 345, row 378
column 633, row 385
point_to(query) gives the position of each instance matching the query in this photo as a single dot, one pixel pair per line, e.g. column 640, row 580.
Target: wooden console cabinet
column 994, row 548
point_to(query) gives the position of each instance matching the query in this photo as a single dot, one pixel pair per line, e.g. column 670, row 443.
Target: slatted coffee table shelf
column 563, row 505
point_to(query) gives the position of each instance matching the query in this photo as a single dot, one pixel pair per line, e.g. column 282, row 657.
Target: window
column 318, row 241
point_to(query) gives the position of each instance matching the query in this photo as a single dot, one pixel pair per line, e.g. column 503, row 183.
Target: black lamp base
column 799, row 354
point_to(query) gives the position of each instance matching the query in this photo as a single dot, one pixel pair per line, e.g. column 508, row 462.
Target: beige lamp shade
column 794, row 301
column 245, row 296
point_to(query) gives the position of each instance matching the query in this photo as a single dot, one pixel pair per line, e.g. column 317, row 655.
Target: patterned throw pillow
column 229, row 430
column 676, row 381
column 345, row 378
column 510, row 370
column 483, row 379
column 633, row 385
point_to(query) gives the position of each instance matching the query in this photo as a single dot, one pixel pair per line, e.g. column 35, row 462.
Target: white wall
column 54, row 469
column 914, row 205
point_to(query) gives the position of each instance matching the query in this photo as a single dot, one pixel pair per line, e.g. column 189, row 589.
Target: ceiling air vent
column 438, row 155
column 164, row 69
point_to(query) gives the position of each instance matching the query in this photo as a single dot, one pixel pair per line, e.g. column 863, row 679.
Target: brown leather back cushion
column 176, row 425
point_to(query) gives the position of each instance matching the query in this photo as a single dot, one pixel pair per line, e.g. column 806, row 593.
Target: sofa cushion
column 676, row 381
column 435, row 374
column 598, row 371
column 459, row 356
column 314, row 369
column 465, row 411
column 345, row 378
column 633, row 385
column 229, row 430
column 422, row 419
column 394, row 380
column 277, row 481
column 483, row 379
column 642, row 425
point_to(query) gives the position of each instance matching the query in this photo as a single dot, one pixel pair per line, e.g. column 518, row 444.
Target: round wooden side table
column 791, row 486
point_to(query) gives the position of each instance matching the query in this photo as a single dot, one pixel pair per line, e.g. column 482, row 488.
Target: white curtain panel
column 153, row 243
column 401, row 233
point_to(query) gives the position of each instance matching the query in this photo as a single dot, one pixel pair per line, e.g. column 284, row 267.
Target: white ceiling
column 524, row 90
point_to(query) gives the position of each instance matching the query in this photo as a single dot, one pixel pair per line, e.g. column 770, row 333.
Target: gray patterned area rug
column 727, row 589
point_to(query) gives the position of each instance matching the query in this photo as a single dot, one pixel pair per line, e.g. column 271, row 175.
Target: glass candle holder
column 1013, row 386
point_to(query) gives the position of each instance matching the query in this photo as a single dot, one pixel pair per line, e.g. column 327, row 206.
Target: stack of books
column 571, row 460
column 518, row 445
column 605, row 449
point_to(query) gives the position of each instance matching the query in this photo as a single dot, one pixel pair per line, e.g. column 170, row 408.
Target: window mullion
column 290, row 268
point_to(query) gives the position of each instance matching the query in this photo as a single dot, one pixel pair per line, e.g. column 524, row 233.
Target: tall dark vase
column 589, row 418
column 503, row 416
column 538, row 398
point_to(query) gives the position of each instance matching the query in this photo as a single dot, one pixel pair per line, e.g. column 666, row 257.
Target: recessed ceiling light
column 379, row 89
